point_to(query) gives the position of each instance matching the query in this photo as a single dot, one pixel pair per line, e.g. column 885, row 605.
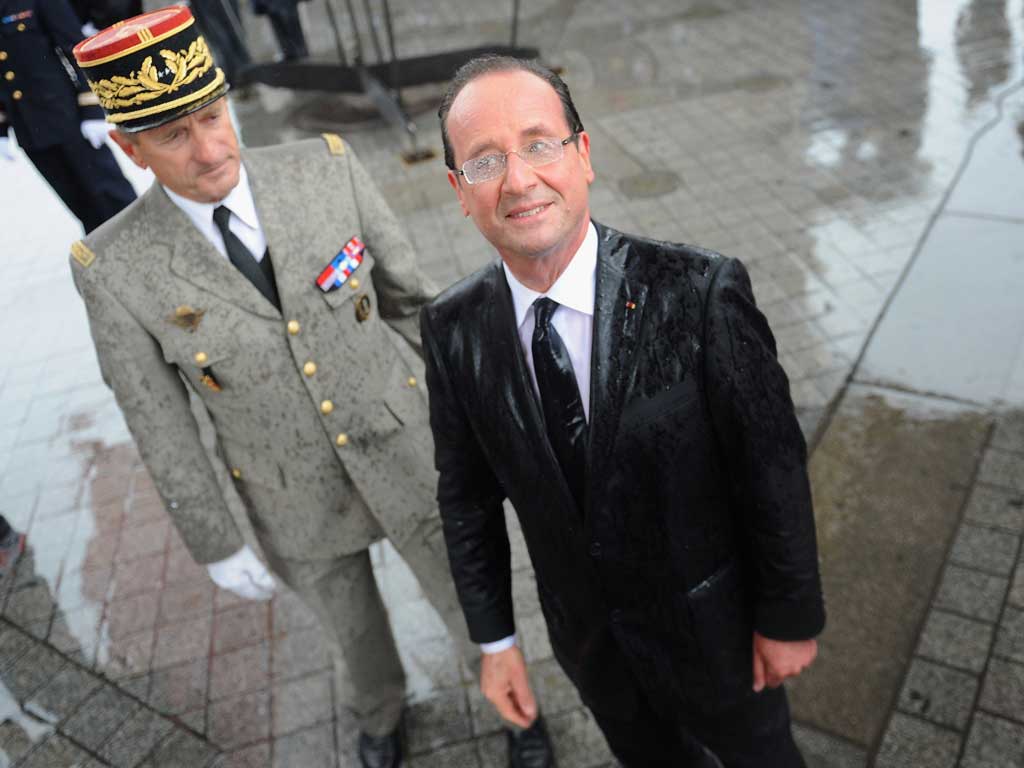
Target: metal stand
column 383, row 80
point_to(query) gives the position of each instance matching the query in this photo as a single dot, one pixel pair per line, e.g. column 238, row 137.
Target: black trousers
column 88, row 180
column 220, row 20
column 288, row 31
column 754, row 732
column 5, row 527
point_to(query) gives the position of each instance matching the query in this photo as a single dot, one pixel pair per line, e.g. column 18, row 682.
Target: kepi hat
column 151, row 69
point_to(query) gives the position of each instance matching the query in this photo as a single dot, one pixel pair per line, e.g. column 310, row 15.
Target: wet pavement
column 865, row 159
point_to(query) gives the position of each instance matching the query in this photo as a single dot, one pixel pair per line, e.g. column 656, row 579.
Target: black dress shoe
column 380, row 751
column 531, row 748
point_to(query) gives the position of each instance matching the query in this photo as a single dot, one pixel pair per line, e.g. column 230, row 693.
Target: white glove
column 89, row 29
column 95, row 132
column 243, row 574
column 6, row 148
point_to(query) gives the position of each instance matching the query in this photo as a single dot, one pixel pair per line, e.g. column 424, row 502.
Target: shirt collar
column 574, row 288
column 238, row 200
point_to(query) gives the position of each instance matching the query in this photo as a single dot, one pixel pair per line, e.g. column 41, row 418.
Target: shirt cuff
column 498, row 645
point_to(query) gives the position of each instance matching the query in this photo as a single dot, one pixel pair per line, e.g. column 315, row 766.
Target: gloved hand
column 6, row 148
column 243, row 574
column 95, row 132
column 89, row 29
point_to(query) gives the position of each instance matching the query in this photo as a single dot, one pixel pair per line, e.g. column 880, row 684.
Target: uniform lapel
column 196, row 260
column 618, row 309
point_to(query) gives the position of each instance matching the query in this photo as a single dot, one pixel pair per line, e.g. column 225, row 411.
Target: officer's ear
column 129, row 144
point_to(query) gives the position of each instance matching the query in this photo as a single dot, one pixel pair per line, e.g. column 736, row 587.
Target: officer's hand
column 89, row 29
column 504, row 682
column 243, row 574
column 6, row 148
column 775, row 660
column 95, row 132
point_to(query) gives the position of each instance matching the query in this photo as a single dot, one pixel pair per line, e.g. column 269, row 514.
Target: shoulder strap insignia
column 334, row 143
column 81, row 253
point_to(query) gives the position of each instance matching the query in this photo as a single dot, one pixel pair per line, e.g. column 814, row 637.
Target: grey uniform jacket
column 326, row 460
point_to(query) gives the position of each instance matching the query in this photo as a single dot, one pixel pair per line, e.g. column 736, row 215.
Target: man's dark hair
column 491, row 63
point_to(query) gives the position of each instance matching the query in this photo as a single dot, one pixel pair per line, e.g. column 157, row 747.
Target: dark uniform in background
column 104, row 13
column 284, row 18
column 221, row 22
column 45, row 98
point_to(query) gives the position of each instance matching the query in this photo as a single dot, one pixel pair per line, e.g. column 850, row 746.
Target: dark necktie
column 560, row 399
column 259, row 273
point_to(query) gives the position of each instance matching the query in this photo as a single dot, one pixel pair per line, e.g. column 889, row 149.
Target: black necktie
column 259, row 273
column 560, row 399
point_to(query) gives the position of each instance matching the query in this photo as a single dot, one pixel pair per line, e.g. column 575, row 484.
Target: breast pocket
column 351, row 293
column 251, row 467
column 678, row 397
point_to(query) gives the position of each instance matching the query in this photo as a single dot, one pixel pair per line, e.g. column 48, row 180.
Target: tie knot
column 544, row 308
column 221, row 216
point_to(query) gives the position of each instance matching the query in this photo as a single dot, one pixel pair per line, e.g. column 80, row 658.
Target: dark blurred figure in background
column 221, row 22
column 12, row 544
column 284, row 18
column 45, row 98
column 97, row 14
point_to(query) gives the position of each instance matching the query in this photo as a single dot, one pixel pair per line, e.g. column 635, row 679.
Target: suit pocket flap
column 253, row 467
column 347, row 291
column 676, row 397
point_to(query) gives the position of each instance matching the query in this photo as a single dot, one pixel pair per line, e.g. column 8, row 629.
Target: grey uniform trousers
column 343, row 594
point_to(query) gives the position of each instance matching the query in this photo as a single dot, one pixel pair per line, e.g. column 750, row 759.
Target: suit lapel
column 618, row 309
column 194, row 259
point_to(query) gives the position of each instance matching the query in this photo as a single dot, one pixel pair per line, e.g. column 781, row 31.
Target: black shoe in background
column 380, row 751
column 531, row 748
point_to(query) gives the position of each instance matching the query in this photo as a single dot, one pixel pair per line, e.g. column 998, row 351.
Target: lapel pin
column 342, row 266
column 187, row 318
column 630, row 305
column 210, row 381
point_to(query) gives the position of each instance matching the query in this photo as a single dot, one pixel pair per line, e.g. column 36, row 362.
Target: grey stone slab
column 577, row 740
column 453, row 756
column 994, row 743
column 32, row 671
column 309, row 748
column 956, row 641
column 1016, row 595
column 13, row 644
column 99, row 716
column 485, row 718
column 554, row 691
column 971, row 593
column 997, row 507
column 1010, row 638
column 301, row 703
column 1009, row 434
column 56, row 752
column 911, row 743
column 1003, row 469
column 240, row 720
column 985, row 549
column 1003, row 691
column 62, row 695
column 182, row 750
column 942, row 695
column 14, row 742
column 823, row 750
column 439, row 720
column 136, row 738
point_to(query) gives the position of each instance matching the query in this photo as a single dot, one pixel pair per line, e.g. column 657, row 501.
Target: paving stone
column 1003, row 692
column 911, row 743
column 1010, row 639
column 996, row 507
column 13, row 643
column 29, row 603
column 454, row 756
column 179, row 689
column 823, row 750
column 186, row 600
column 972, row 593
column 302, row 703
column 136, row 738
column 956, row 641
column 240, row 721
column 1016, row 596
column 1003, row 469
column 240, row 671
column 578, row 741
column 182, row 750
column 14, row 742
column 255, row 756
column 985, row 549
column 55, row 752
column 492, row 750
column 442, row 719
column 99, row 716
column 994, row 743
column 127, row 656
column 244, row 625
column 182, row 641
column 62, row 694
column 309, row 748
column 132, row 615
column 1009, row 434
column 939, row 694
column 32, row 671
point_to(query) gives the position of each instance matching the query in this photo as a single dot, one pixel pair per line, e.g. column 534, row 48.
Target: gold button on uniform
column 236, row 473
column 294, row 327
column 354, row 283
column 21, row 27
column 3, row 55
column 326, row 407
column 201, row 358
column 411, row 381
column 17, row 95
column 8, row 75
column 309, row 368
column 341, row 440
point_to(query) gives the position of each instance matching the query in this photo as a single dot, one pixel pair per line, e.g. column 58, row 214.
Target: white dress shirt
column 574, row 320
column 244, row 223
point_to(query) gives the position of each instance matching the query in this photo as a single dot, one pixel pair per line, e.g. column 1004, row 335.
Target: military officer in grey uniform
column 276, row 285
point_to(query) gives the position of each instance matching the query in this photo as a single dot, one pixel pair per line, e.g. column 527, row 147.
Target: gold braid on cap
column 145, row 85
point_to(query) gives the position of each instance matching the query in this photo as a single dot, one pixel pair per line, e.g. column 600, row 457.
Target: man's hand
column 775, row 660
column 504, row 682
column 95, row 132
column 6, row 148
column 243, row 574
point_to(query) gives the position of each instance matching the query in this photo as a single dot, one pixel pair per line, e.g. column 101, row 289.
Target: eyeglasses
column 537, row 153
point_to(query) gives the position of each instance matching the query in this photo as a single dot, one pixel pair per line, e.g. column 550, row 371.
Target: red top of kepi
column 136, row 32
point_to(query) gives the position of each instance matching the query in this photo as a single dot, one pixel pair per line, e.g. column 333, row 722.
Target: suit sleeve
column 766, row 457
column 402, row 287
column 155, row 405
column 64, row 29
column 470, row 499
